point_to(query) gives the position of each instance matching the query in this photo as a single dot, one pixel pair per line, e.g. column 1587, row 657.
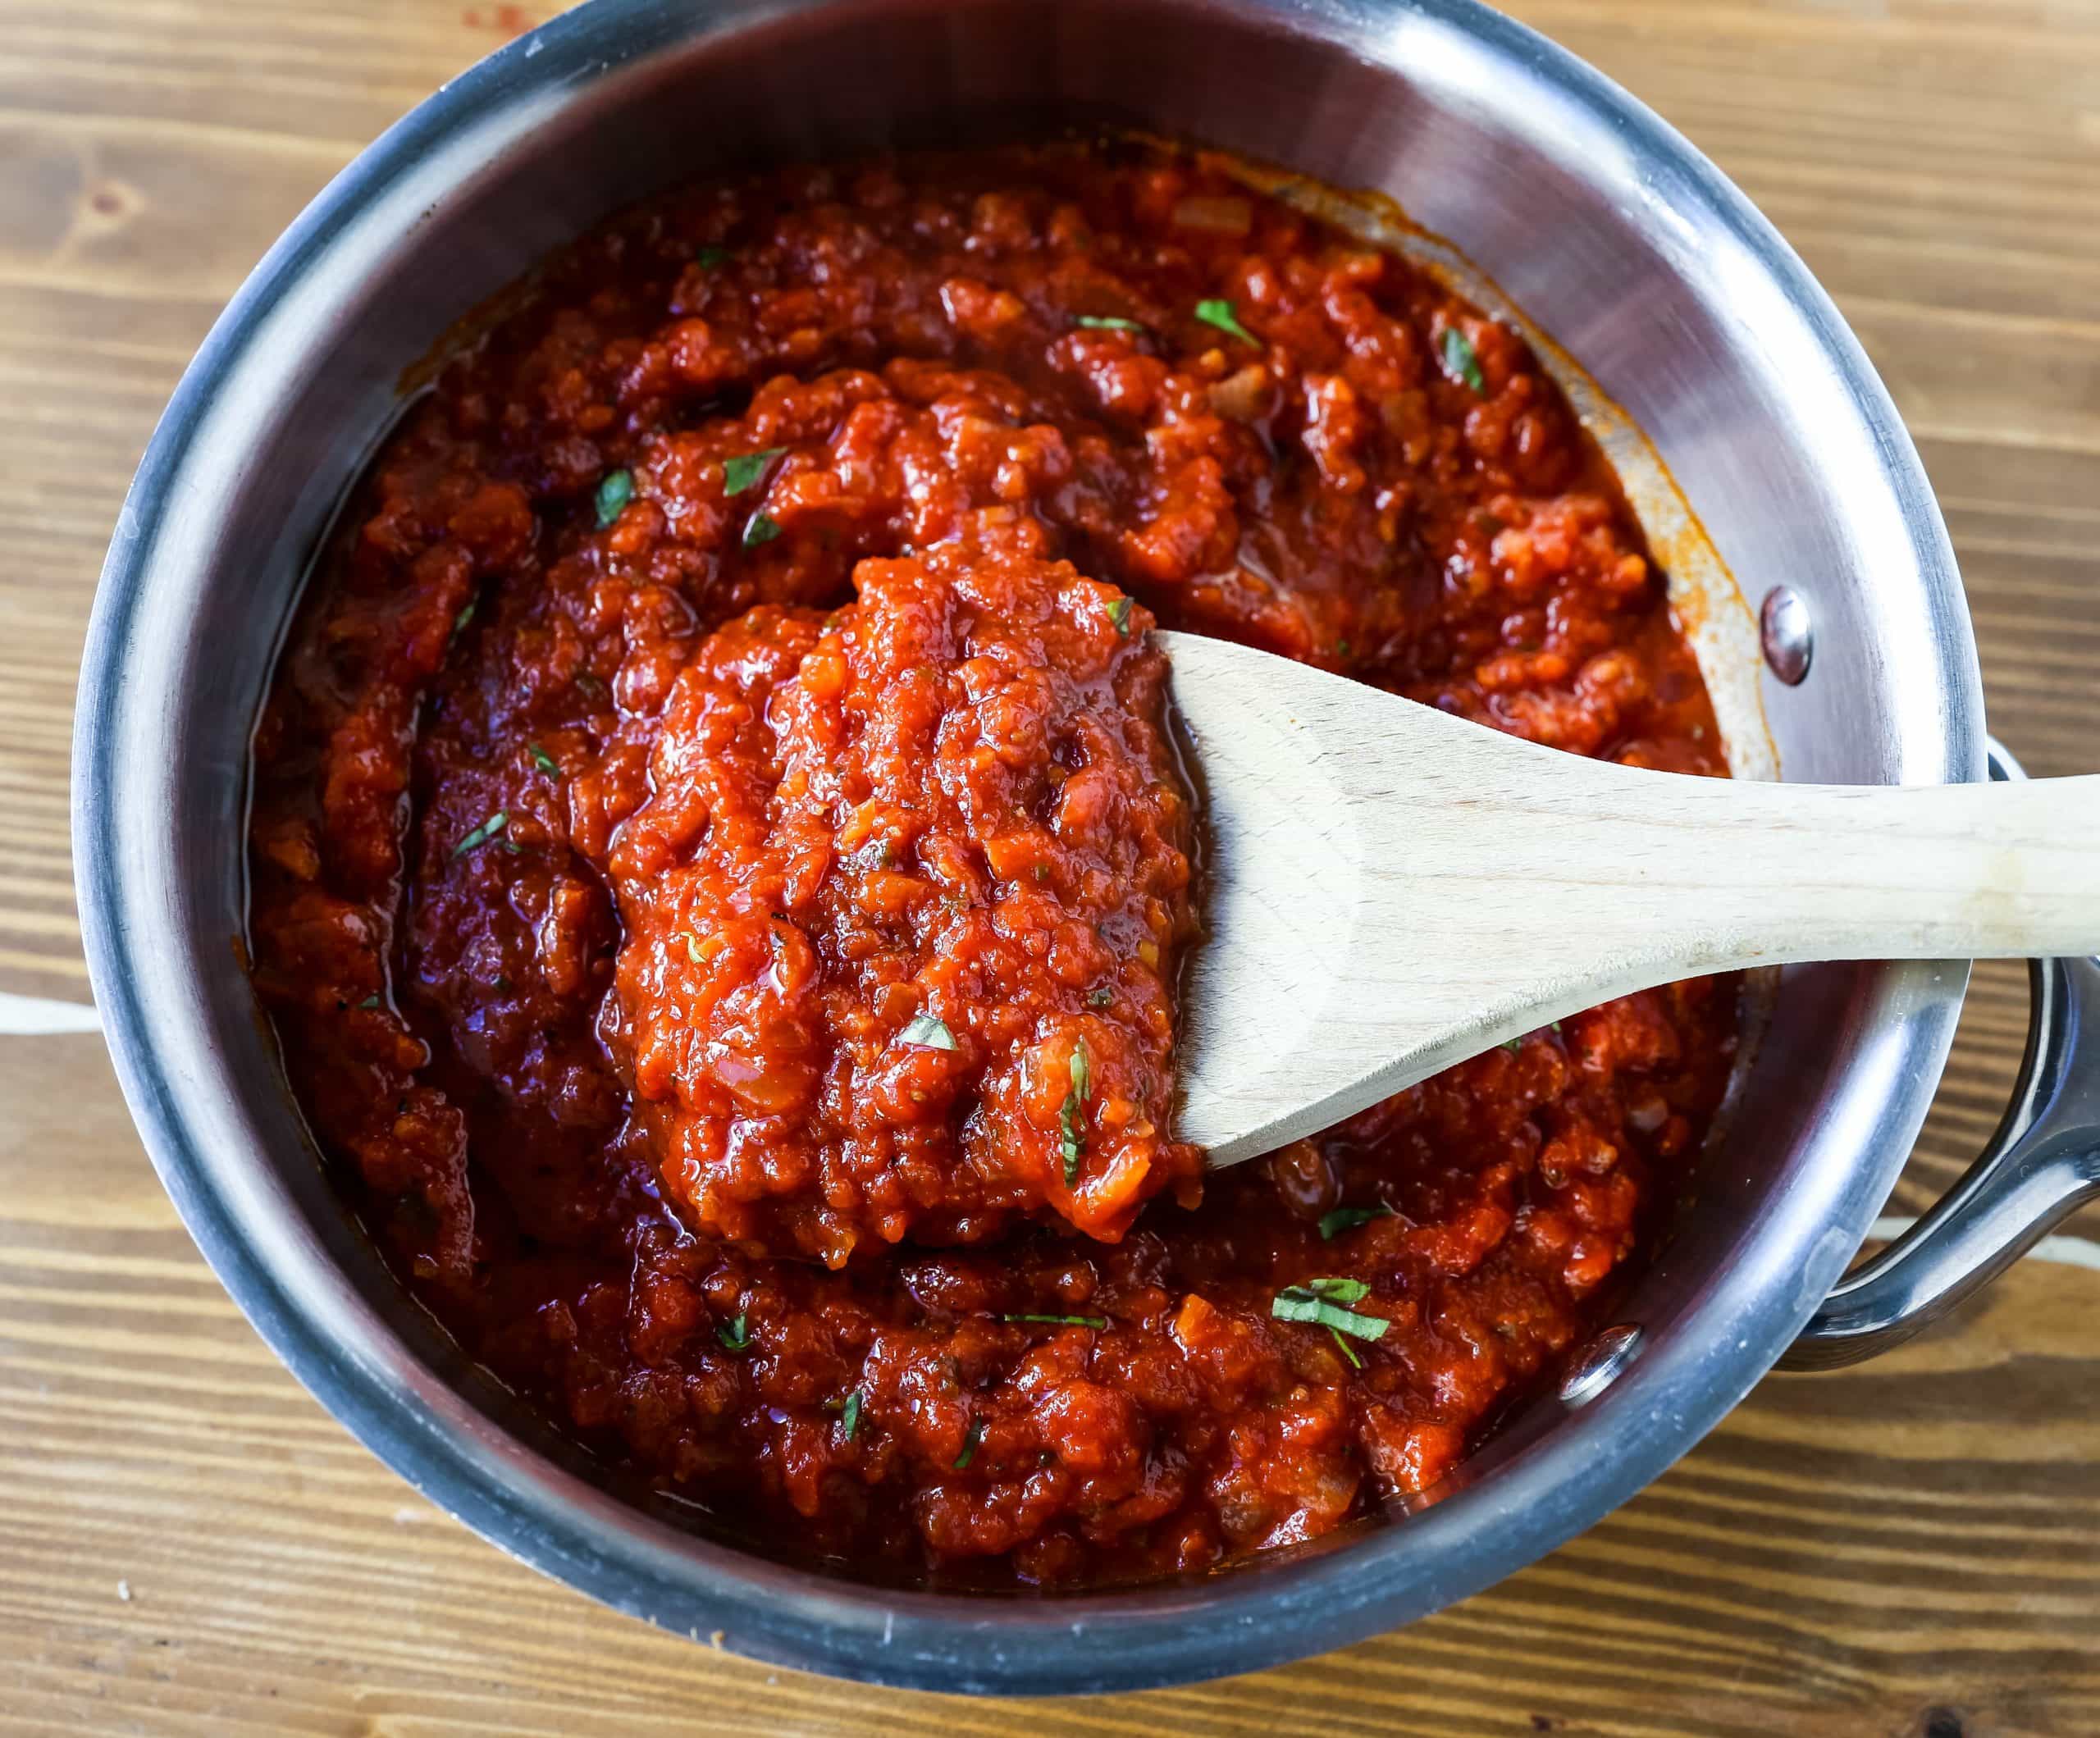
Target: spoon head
column 1364, row 928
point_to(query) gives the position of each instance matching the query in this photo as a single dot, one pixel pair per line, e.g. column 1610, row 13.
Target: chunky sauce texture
column 901, row 915
column 719, row 865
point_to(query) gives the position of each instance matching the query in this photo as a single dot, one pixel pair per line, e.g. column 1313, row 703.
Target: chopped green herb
column 1067, row 1321
column 1321, row 1303
column 708, row 258
column 1460, row 360
column 928, row 1032
column 1071, row 1125
column 1346, row 1349
column 370, row 1001
column 1217, row 312
column 971, row 1438
column 1348, row 1219
column 542, row 759
column 1108, row 323
column 1514, row 1045
column 744, row 471
column 850, row 1416
column 693, row 952
column 1554, row 1029
column 466, row 615
column 1341, row 648
column 736, row 1334
column 483, row 833
column 761, row 527
column 590, row 685
column 1100, row 998
column 1119, row 612
column 614, row 494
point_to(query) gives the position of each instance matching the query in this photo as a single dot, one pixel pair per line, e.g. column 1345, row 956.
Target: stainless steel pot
column 1599, row 222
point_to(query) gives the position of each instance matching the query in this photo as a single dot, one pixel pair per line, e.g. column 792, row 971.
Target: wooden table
column 189, row 1544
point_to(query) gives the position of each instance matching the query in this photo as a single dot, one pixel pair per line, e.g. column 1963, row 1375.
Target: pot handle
column 2041, row 1166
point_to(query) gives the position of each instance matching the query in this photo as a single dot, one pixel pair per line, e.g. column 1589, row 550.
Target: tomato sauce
column 719, row 864
column 902, row 911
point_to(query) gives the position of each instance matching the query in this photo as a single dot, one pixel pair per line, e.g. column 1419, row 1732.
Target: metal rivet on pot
column 1789, row 639
column 1600, row 1363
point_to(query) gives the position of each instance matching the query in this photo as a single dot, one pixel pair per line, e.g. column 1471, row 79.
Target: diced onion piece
column 1243, row 396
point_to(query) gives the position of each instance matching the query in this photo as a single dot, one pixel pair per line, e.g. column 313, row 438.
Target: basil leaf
column 1100, row 998
column 737, row 1334
column 927, row 1033
column 1348, row 1219
column 483, row 833
column 851, row 1416
column 761, row 527
column 1303, row 1303
column 742, row 471
column 974, row 1435
column 542, row 759
column 1346, row 1349
column 1461, row 362
column 1217, row 312
column 370, row 1001
column 1071, row 1125
column 1067, row 1322
column 614, row 494
column 708, row 258
column 1119, row 612
column 1108, row 323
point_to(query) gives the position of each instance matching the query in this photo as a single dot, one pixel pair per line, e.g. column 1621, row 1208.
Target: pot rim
column 1594, row 1459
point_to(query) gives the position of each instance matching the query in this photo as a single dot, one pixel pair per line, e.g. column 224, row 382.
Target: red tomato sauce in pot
column 720, row 865
column 901, row 915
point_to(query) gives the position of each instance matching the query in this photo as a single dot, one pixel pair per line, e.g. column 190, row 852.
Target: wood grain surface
column 189, row 1544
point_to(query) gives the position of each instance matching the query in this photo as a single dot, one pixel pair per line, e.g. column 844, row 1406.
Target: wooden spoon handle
column 1711, row 875
column 1392, row 890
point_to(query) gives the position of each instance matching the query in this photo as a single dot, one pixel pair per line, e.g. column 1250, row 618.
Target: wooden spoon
column 1393, row 890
